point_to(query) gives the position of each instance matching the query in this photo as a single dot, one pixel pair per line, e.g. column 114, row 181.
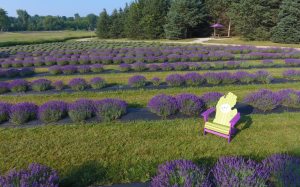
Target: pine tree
column 287, row 29
column 116, row 26
column 182, row 15
column 103, row 25
column 4, row 20
column 133, row 28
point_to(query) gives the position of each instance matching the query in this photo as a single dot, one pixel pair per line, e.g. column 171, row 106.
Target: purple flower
column 6, row 64
column 98, row 83
column 59, row 85
column 205, row 65
column 26, row 72
column 137, row 81
column 78, row 84
column 244, row 76
column 97, row 68
column 110, row 109
column 218, row 64
column 268, row 63
column 180, row 66
column 56, row 69
column 62, row 61
column 18, row 85
column 95, row 59
column 140, row 58
column 173, row 57
column 193, row 65
column 16, row 63
column 118, row 60
column 52, row 111
column 233, row 64
column 156, row 81
column 40, row 85
column 84, row 69
column 4, row 87
column 227, row 77
column 194, row 79
column 189, row 104
column 129, row 59
column 4, row 113
column 211, row 99
column 69, row 69
column 27, row 63
column 163, row 105
column 139, row 66
column 153, row 67
column 50, row 61
column 166, row 66
column 2, row 73
column 162, row 58
column 291, row 98
column 175, row 80
column 12, row 73
column 124, row 67
column 84, row 60
column 81, row 110
column 291, row 62
column 38, row 62
column 22, row 112
column 291, row 74
column 264, row 76
column 212, row 78
column 151, row 59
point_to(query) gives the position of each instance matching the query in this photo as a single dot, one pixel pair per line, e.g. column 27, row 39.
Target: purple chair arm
column 235, row 119
column 207, row 112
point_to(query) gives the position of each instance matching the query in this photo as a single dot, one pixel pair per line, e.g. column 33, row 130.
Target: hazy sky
column 61, row 7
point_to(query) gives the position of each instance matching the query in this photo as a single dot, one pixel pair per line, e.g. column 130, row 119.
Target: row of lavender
column 226, row 172
column 86, row 59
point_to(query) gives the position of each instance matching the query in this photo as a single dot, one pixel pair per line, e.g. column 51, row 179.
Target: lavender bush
column 268, row 63
column 291, row 98
column 106, row 59
column 244, row 76
column 2, row 73
column 97, row 68
column 84, row 69
column 4, row 113
column 26, row 72
column 52, row 111
column 263, row 99
column 12, row 73
column 124, row 67
column 219, row 65
column 27, row 63
column 50, row 61
column 59, row 85
column 98, row 83
column 69, row 69
column 156, row 81
column 244, row 64
column 19, row 85
column 233, row 64
column 264, row 76
column 163, row 105
column 291, row 74
column 22, row 112
column 180, row 66
column 16, row 63
column 56, row 69
column 78, row 84
column 137, row 81
column 62, row 61
column 291, row 62
column 193, row 65
column 40, row 85
column 38, row 62
column 110, row 109
column 81, row 110
column 117, row 60
column 211, row 99
column 175, row 80
column 139, row 66
column 194, row 79
column 128, row 59
column 95, row 59
column 4, row 87
column 189, row 104
column 84, row 60
column 166, row 66
column 227, row 78
column 205, row 65
column 212, row 78
column 153, row 67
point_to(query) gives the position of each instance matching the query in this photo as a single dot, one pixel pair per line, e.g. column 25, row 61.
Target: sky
column 61, row 7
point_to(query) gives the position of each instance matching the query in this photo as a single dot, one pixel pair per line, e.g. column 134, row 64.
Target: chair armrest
column 207, row 112
column 235, row 119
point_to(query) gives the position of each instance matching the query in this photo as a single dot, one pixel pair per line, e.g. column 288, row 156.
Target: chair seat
column 217, row 127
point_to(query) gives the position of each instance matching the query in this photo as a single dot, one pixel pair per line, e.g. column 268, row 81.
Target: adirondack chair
column 223, row 124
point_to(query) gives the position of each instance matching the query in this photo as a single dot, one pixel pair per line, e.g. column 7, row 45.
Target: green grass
column 126, row 152
column 11, row 39
column 146, row 40
column 238, row 41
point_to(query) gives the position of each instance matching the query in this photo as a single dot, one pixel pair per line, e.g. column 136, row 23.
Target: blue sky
column 61, row 7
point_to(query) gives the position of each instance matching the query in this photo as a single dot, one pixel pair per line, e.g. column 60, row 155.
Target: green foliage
column 287, row 29
column 4, row 20
column 132, row 27
column 103, row 25
column 92, row 19
column 117, row 27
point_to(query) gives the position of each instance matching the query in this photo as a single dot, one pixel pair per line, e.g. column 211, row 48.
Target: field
column 109, row 152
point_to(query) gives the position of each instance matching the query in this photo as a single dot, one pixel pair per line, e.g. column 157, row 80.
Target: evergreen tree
column 103, row 25
column 133, row 28
column 92, row 19
column 183, row 14
column 4, row 20
column 287, row 29
column 116, row 27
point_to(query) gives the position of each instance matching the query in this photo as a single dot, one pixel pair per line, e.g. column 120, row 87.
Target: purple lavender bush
column 268, row 63
column 22, row 112
column 38, row 62
column 205, row 65
column 26, row 72
column 56, row 69
column 17, row 63
column 81, row 110
column 19, row 85
column 4, row 87
column 173, row 57
column 219, row 64
column 180, row 173
column 244, row 64
column 193, row 65
column 59, row 85
column 263, row 99
column 189, row 104
column 244, row 76
column 285, row 169
column 212, row 78
column 6, row 64
column 52, row 111
column 211, row 99
column 78, row 84
column 50, row 61
column 234, row 171
column 128, row 59
column 84, row 60
column 140, row 58
column 291, row 98
column 156, row 81
column 117, row 60
column 12, row 73
column 194, row 79
column 179, row 66
column 153, row 67
column 98, row 83
column 227, row 78
column 264, row 76
column 166, row 66
column 139, row 66
column 163, row 105
column 27, row 63
column 84, row 69
column 106, row 59
column 124, row 67
column 2, row 73
column 151, row 59
column 62, row 61
column 137, row 81
column 110, row 109
column 291, row 62
column 69, row 69
column 95, row 59
column 291, row 74
column 175, row 80
column 40, row 85
column 34, row 176
column 162, row 58
column 4, row 113
column 233, row 64
column 97, row 68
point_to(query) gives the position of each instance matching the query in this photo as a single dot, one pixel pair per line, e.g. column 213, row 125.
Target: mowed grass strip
column 129, row 152
column 140, row 98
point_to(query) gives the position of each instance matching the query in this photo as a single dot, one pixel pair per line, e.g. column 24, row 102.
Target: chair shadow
column 247, row 125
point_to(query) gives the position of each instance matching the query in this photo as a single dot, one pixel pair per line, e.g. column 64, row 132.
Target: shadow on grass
column 244, row 119
column 87, row 174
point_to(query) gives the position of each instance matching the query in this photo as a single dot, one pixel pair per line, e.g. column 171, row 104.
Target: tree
column 133, row 28
column 23, row 17
column 103, row 25
column 92, row 19
column 182, row 15
column 287, row 29
column 77, row 17
column 4, row 19
column 116, row 28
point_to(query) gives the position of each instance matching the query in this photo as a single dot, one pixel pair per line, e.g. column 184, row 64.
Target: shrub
column 81, row 110
column 244, row 76
column 117, row 60
column 189, row 104
column 233, row 64
column 22, row 112
column 205, row 65
column 84, row 60
column 139, row 66
column 19, row 85
column 12, row 73
column 78, row 84
column 153, row 67
column 264, row 76
column 128, row 59
column 26, row 72
column 97, row 83
column 291, row 98
column 162, row 58
column 156, row 81
column 97, row 68
column 6, row 64
column 4, row 113
column 184, row 58
column 166, row 66
column 211, row 99
column 234, row 171
column 140, row 58
column 219, row 65
column 4, row 87
column 95, row 59
column 180, row 66
column 59, row 85
column 35, row 175
column 227, row 78
column 62, row 61
column 194, row 57
column 151, row 59
column 38, row 62
column 17, row 63
column 193, row 65
column 56, row 69
column 137, row 81
column 263, row 99
column 73, row 61
column 212, row 78
column 84, row 69
column 180, row 173
column 173, row 57
column 291, row 62
column 244, row 64
column 291, row 74
column 175, row 80
column 52, row 111
column 194, row 79
column 69, row 69
column 27, row 63
column 40, row 85
column 110, row 109
column 106, row 59
column 285, row 169
column 2, row 73
column 268, row 63
column 163, row 105
column 124, row 67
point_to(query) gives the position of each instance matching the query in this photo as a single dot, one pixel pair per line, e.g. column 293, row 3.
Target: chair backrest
column 224, row 112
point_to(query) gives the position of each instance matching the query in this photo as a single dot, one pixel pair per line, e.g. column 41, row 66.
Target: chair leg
column 204, row 133
column 229, row 136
